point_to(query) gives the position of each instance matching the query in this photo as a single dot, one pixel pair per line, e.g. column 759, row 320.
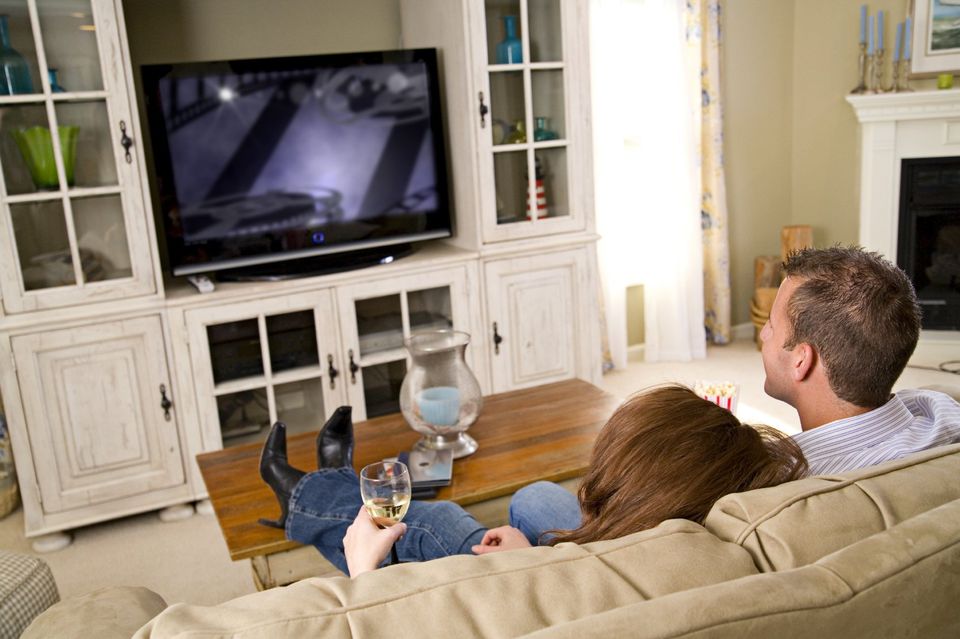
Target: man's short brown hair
column 861, row 314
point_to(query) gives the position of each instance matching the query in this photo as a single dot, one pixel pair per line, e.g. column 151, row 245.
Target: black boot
column 335, row 441
column 280, row 476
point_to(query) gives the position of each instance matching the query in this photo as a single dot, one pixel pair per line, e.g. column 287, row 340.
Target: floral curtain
column 658, row 174
column 703, row 41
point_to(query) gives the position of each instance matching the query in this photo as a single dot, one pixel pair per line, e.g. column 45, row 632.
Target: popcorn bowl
column 722, row 393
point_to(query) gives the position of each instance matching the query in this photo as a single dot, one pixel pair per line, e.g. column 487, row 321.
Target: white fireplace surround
column 894, row 126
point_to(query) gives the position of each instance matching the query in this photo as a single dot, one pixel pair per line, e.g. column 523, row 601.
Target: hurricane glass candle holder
column 440, row 396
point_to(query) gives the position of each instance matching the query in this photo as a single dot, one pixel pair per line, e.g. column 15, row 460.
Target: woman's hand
column 502, row 538
column 366, row 544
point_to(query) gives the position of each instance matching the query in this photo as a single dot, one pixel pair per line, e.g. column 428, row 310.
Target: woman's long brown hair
column 667, row 453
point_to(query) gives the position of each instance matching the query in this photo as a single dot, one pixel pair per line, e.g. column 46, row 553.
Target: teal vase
column 510, row 50
column 541, row 132
column 15, row 78
column 54, row 82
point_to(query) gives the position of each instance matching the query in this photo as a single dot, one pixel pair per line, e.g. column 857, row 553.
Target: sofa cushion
column 108, row 613
column 904, row 582
column 496, row 595
column 27, row 588
column 797, row 523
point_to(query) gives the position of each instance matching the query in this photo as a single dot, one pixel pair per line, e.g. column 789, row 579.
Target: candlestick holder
column 878, row 72
column 901, row 83
column 878, row 85
column 861, row 71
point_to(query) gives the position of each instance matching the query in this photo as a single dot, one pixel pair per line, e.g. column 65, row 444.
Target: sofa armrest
column 108, row 613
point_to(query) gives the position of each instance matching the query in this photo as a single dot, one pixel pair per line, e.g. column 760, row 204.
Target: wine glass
column 385, row 490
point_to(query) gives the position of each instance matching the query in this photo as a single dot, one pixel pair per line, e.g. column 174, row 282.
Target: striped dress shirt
column 911, row 421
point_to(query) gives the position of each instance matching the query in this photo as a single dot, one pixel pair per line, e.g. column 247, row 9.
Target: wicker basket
column 9, row 499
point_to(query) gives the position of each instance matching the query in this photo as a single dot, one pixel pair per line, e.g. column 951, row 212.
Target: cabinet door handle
column 165, row 402
column 332, row 372
column 483, row 111
column 496, row 340
column 353, row 367
column 125, row 141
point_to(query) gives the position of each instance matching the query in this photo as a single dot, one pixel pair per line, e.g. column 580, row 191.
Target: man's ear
column 803, row 362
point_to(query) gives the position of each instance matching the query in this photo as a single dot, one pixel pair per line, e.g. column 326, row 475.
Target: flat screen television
column 279, row 167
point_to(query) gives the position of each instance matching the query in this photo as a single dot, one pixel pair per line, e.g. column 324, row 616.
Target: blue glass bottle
column 14, row 73
column 54, row 82
column 510, row 50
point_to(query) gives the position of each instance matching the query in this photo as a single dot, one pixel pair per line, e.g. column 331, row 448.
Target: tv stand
column 316, row 265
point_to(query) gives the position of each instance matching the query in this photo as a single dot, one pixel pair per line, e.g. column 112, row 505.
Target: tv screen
column 281, row 159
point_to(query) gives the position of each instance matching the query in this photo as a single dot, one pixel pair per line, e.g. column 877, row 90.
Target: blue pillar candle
column 440, row 405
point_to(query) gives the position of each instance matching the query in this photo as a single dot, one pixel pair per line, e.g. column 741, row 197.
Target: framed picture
column 936, row 37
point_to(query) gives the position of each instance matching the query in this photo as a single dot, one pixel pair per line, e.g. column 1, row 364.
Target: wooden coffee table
column 542, row 433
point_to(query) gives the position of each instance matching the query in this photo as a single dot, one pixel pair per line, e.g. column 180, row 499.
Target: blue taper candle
column 908, row 39
column 896, row 42
column 863, row 24
column 870, row 33
column 880, row 30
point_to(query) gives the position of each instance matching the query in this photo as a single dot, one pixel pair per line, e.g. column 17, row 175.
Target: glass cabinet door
column 258, row 363
column 73, row 226
column 376, row 318
column 531, row 143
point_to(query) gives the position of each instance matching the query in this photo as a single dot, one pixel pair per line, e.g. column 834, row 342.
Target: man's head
column 857, row 314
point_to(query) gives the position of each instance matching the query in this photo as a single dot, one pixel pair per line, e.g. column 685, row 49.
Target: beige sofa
column 863, row 554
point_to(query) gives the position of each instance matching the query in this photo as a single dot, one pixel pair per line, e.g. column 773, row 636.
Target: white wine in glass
column 385, row 489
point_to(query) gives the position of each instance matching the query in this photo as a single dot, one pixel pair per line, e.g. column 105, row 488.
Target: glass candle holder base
column 461, row 444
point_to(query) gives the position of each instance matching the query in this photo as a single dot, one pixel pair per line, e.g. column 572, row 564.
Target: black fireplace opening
column 928, row 241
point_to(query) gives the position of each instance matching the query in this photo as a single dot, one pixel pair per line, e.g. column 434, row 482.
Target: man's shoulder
column 933, row 391
column 930, row 397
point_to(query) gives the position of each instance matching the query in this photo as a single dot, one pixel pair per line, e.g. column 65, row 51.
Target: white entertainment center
column 116, row 375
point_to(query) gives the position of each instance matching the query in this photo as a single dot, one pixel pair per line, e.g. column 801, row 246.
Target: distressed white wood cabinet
column 543, row 332
column 114, row 378
column 93, row 396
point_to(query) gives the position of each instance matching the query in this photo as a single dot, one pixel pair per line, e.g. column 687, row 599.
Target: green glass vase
column 36, row 147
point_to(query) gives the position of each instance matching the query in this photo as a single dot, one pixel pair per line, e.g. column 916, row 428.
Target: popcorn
column 723, row 394
column 721, row 389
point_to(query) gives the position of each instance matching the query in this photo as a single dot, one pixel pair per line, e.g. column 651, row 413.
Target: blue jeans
column 543, row 506
column 325, row 503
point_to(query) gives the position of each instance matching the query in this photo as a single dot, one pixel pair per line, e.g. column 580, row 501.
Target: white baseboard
column 635, row 353
column 742, row 331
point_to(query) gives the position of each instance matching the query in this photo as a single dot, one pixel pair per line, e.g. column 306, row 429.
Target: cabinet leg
column 52, row 542
column 176, row 513
column 204, row 507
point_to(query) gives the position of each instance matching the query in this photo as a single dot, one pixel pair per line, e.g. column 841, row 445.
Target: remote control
column 201, row 282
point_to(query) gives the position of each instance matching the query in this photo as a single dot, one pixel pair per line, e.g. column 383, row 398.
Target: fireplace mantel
column 894, row 126
column 914, row 105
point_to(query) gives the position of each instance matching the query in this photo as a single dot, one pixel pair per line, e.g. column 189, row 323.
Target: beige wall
column 791, row 139
column 825, row 130
column 187, row 30
column 757, row 89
